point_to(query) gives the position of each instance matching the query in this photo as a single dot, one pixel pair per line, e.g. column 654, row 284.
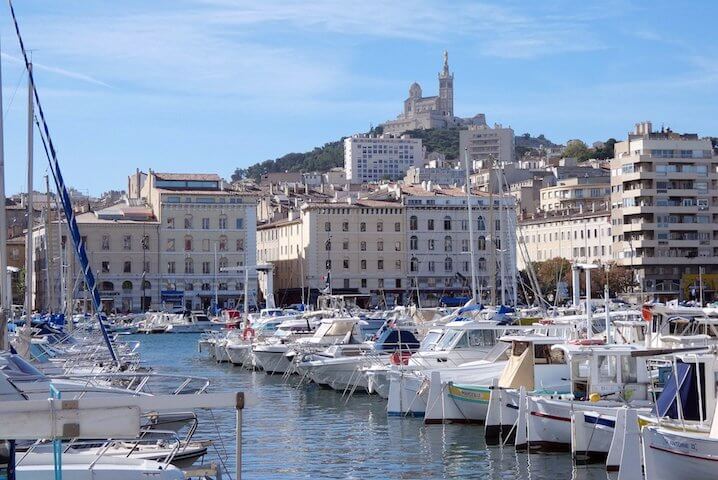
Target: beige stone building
column 577, row 193
column 179, row 240
column 370, row 158
column 485, row 145
column 390, row 245
column 583, row 237
column 664, row 210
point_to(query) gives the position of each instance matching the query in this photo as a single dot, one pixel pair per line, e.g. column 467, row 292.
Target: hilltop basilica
column 431, row 112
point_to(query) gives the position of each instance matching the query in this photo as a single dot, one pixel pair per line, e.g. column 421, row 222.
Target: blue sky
column 210, row 85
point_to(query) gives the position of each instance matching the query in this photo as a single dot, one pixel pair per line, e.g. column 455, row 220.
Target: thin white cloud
column 59, row 71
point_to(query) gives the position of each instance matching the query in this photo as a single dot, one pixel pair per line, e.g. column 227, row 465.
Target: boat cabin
column 608, row 370
column 533, row 364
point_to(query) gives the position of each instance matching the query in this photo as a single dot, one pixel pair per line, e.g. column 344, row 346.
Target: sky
column 212, row 85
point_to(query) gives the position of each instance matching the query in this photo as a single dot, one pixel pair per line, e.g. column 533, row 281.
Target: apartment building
column 576, row 193
column 177, row 240
column 371, row 158
column 664, row 209
column 579, row 236
column 391, row 245
column 486, row 144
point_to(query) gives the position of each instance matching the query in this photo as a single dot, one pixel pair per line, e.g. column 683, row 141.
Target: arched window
column 413, row 243
column 447, row 244
column 107, row 286
column 413, row 222
column 146, row 285
column 380, row 226
column 447, row 223
column 448, row 264
column 482, row 243
column 188, row 265
column 414, row 264
column 126, row 285
column 480, row 225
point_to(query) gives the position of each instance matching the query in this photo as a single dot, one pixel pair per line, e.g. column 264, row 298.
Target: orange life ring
column 646, row 313
column 402, row 358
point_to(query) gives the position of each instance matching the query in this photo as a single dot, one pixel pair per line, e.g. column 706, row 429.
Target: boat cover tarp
column 667, row 403
column 453, row 301
column 519, row 370
column 391, row 339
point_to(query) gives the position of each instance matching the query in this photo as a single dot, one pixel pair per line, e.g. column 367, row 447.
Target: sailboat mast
column 502, row 237
column 472, row 251
column 492, row 233
column 48, row 255
column 5, row 290
column 29, row 250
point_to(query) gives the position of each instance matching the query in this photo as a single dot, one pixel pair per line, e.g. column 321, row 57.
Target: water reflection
column 310, row 432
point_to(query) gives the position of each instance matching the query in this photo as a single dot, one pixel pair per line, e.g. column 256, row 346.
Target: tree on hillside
column 576, row 149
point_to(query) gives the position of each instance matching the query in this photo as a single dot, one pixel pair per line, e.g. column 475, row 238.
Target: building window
column 188, row 243
column 328, row 245
column 464, row 225
column 363, row 283
column 362, row 264
column 222, row 264
column 105, row 267
column 188, row 265
column 362, row 246
column 105, row 242
column 170, row 244
column 397, row 227
column 127, row 267
column 397, row 264
column 223, row 243
column 205, row 268
column 380, row 283
column 482, row 243
column 346, row 283
column 205, row 224
column 345, row 226
column 430, row 224
column 189, row 287
column 328, row 264
column 380, row 245
column 345, row 244
column 380, row 264
column 223, row 222
column 398, row 283
column 447, row 244
column 413, row 243
column 397, row 246
column 240, row 223
column 240, row 244
column 362, row 227
column 206, row 287
column 127, row 242
column 431, row 244
column 205, row 245
column 327, row 226
column 127, row 286
column 448, row 264
column 145, row 242
column 170, row 223
column 432, row 266
column 480, row 223
column 447, row 223
column 146, row 266
column 170, row 267
column 414, row 264
column 413, row 223
column 482, row 264
column 464, row 245
column 380, row 226
column 345, row 263
column 188, row 221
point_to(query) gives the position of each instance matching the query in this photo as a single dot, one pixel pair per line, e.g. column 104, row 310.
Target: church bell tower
column 446, row 89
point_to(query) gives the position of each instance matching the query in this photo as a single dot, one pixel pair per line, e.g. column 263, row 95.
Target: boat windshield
column 449, row 338
column 429, row 341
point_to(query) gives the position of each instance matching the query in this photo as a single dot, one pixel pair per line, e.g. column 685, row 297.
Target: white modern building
column 371, row 158
column 485, row 143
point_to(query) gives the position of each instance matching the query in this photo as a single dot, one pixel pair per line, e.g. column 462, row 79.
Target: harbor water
column 309, row 432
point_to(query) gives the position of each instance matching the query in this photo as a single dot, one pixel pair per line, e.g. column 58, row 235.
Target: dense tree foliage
column 552, row 271
column 582, row 152
column 444, row 141
column 321, row 159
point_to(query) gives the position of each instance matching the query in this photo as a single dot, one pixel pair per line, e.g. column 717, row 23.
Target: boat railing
column 138, row 381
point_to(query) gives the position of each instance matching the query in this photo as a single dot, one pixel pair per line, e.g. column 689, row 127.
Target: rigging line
column 7, row 109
